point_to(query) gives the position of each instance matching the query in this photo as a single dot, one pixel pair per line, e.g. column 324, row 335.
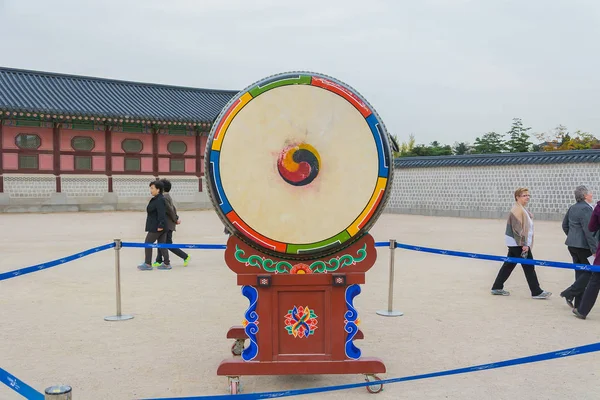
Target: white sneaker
column 543, row 295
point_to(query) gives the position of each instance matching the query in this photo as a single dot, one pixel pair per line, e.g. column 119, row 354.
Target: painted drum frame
column 330, row 245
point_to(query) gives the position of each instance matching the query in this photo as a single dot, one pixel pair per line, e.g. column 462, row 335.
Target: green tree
column 461, row 148
column 561, row 139
column 435, row 148
column 406, row 149
column 561, row 135
column 421, row 151
column 489, row 143
column 438, row 149
column 584, row 140
column 519, row 138
column 553, row 140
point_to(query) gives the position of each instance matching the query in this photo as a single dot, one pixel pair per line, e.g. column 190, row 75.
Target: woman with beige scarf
column 519, row 240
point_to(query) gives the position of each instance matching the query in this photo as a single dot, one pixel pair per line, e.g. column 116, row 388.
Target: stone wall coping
column 479, row 160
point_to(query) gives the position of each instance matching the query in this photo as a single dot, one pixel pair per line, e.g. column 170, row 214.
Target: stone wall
column 37, row 193
column 84, row 186
column 18, row 187
column 483, row 186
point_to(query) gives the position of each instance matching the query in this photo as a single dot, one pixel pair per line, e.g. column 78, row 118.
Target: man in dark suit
column 580, row 242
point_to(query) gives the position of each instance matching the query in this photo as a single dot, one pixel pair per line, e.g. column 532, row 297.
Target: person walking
column 590, row 295
column 172, row 221
column 156, row 224
column 519, row 240
column 580, row 242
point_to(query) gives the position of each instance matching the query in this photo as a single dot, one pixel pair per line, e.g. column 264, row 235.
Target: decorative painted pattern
column 301, row 269
column 298, row 164
column 351, row 322
column 297, row 167
column 280, row 80
column 251, row 323
column 31, row 123
column 301, row 322
column 285, row 267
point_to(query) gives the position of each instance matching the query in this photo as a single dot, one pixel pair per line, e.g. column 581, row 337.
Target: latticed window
column 28, row 161
column 28, row 141
column 177, row 147
column 133, row 164
column 82, row 143
column 83, row 163
column 177, row 165
column 132, row 145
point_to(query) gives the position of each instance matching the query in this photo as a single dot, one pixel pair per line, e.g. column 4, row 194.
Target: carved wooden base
column 238, row 367
column 301, row 318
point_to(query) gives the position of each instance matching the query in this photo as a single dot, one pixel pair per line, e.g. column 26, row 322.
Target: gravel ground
column 52, row 328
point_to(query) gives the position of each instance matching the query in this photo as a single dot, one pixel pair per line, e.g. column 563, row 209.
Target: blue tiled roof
column 477, row 160
column 42, row 92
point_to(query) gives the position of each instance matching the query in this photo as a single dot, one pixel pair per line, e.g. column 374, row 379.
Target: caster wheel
column 373, row 388
column 238, row 347
column 235, row 387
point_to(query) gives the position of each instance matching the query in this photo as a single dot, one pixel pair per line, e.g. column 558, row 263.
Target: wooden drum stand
column 301, row 318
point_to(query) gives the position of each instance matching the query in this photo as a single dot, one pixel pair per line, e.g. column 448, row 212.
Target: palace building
column 73, row 143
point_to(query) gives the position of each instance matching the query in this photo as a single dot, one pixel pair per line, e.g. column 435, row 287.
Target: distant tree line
column 516, row 140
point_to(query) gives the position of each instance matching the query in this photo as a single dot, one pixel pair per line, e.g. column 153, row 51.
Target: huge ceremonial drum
column 298, row 165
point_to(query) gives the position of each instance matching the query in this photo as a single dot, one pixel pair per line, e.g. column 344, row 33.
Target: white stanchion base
column 386, row 313
column 118, row 318
column 59, row 392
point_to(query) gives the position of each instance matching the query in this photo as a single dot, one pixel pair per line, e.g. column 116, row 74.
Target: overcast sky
column 446, row 70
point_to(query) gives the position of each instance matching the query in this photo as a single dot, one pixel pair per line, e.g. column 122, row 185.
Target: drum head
column 298, row 165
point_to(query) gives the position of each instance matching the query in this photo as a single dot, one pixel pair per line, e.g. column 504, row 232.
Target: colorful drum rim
column 358, row 227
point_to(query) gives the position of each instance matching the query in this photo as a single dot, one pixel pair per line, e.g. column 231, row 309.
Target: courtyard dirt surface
column 52, row 328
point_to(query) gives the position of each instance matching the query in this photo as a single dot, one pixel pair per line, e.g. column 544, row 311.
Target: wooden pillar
column 108, row 156
column 155, row 152
column 1, row 159
column 199, row 159
column 56, row 154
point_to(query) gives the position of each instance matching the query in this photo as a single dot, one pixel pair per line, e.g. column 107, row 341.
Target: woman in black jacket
column 156, row 224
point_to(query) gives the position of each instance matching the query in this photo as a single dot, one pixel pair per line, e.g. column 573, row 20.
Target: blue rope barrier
column 175, row 246
column 590, row 348
column 489, row 257
column 49, row 264
column 19, row 386
column 543, row 263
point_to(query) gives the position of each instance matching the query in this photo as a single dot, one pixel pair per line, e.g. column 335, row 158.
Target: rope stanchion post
column 119, row 316
column 390, row 310
column 59, row 392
